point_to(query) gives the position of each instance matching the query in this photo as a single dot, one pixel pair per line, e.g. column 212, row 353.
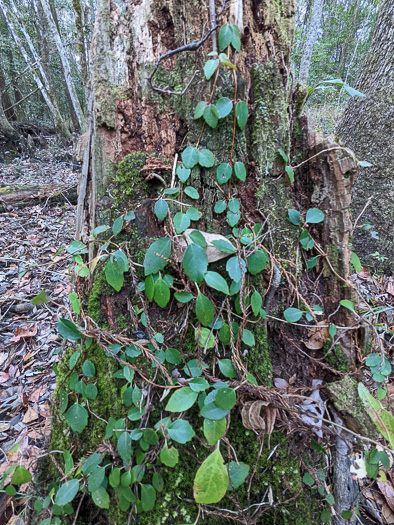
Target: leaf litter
column 33, row 260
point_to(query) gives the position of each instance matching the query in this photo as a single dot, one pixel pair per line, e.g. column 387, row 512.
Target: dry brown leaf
column 388, row 514
column 387, row 490
column 258, row 415
column 390, row 287
column 31, row 415
column 317, row 336
column 364, row 274
column 23, row 332
column 4, row 377
column 281, row 383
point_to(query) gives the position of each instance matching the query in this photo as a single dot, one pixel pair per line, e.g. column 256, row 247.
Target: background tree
column 312, row 34
column 366, row 127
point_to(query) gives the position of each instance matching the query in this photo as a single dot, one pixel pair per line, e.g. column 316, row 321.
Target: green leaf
column 352, row 92
column 225, row 36
column 235, row 268
column 172, row 191
column 209, row 69
column 256, row 302
column 77, row 417
column 206, row 158
column 91, row 463
column 130, row 216
column 117, row 225
column 201, row 335
column 283, row 155
column 198, row 384
column 234, row 205
column 101, row 498
column 152, row 262
column 214, row 430
column 211, row 481
column 233, row 218
column 217, row 282
column 114, row 478
column 96, row 478
column 257, row 262
column 198, row 112
column 173, row 356
column 224, row 246
column 224, row 106
column 183, row 174
column 193, row 214
column 157, row 482
column 192, row 192
column 248, row 338
column 308, row 480
column 114, row 273
column 75, row 302
column 181, row 431
column 227, row 369
column 161, row 293
column 195, row 263
column 148, row 497
column 240, row 171
column 169, row 456
column 198, row 238
column 311, row 263
column 332, row 330
column 223, row 173
column 183, row 297
column 306, row 240
column 124, row 446
column 181, row 400
column 365, row 164
column 290, row 173
column 238, row 473
column 225, row 398
column 314, row 216
column 211, row 117
column 68, row 330
column 149, row 287
column 347, row 514
column 241, row 113
column 330, row 499
column 347, row 304
column 220, row 206
column 100, row 229
column 236, row 40
column 212, row 411
column 294, row 216
column 292, row 315
column 161, row 209
column 356, row 262
column 205, row 310
column 190, row 157
column 40, row 298
column 88, row 369
column 67, row 492
column 20, row 476
column 181, row 222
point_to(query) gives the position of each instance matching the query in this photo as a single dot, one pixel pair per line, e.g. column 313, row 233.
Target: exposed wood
column 23, row 196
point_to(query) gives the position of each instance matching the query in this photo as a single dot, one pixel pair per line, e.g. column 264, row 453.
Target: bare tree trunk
column 314, row 26
column 5, row 127
column 350, row 36
column 43, row 85
column 70, row 86
column 77, row 4
column 366, row 127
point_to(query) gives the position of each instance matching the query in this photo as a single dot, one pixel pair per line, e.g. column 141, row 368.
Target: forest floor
column 33, row 261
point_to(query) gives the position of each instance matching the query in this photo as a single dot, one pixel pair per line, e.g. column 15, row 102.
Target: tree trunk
column 366, row 127
column 350, row 35
column 314, row 26
column 15, row 25
column 69, row 82
column 136, row 136
column 79, row 24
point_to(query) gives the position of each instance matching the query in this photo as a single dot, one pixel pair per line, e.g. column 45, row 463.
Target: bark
column 15, row 27
column 5, row 126
column 5, row 98
column 135, row 134
column 314, row 26
column 79, row 24
column 69, row 82
column 366, row 127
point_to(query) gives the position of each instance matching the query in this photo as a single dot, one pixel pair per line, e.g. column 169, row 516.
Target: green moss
column 336, row 358
column 258, row 358
column 99, row 289
column 130, row 186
